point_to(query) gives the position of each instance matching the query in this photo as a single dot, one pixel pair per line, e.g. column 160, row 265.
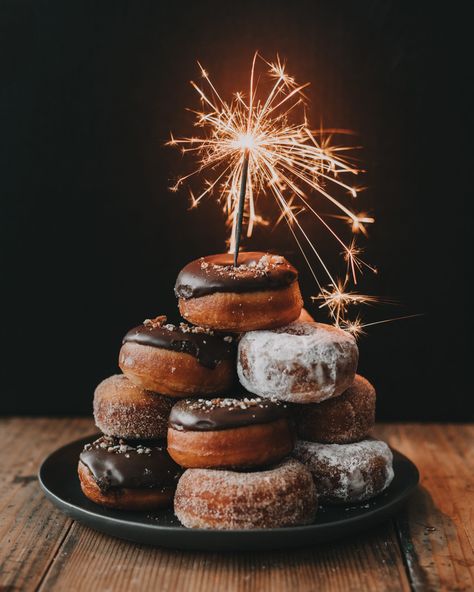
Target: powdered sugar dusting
column 282, row 496
column 347, row 472
column 302, row 362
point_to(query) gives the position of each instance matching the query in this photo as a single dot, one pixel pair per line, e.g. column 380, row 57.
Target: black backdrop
column 92, row 240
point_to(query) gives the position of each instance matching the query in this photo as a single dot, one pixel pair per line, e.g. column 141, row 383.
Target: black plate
column 58, row 478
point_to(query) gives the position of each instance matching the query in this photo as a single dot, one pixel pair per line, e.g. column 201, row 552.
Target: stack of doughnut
column 262, row 451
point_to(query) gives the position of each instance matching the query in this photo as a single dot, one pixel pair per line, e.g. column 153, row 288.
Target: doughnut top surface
column 116, row 463
column 203, row 344
column 216, row 273
column 203, row 415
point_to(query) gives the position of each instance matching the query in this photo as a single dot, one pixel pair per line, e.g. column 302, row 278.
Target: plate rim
column 62, row 503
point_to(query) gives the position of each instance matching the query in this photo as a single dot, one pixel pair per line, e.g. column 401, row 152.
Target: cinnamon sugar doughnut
column 261, row 292
column 177, row 361
column 284, row 495
column 347, row 418
column 347, row 473
column 126, row 475
column 229, row 433
column 302, row 362
column 125, row 410
column 305, row 317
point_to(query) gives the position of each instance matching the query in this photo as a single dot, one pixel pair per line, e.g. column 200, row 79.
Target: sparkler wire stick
column 240, row 207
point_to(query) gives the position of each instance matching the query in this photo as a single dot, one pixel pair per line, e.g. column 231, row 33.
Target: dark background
column 92, row 239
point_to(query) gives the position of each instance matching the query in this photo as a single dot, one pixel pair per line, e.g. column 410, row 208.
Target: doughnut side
column 282, row 496
column 247, row 311
column 302, row 362
column 247, row 446
column 341, row 420
column 174, row 374
column 347, row 473
column 124, row 499
column 125, row 410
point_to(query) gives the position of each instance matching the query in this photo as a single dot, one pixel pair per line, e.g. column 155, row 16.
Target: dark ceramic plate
column 58, row 478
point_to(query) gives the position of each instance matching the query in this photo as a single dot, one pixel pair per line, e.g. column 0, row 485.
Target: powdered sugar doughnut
column 303, row 362
column 344, row 419
column 284, row 495
column 124, row 410
column 347, row 473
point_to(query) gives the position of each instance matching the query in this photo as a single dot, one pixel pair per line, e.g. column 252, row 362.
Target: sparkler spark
column 338, row 300
column 268, row 132
column 357, row 327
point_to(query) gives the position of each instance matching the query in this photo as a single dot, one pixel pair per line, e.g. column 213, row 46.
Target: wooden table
column 429, row 546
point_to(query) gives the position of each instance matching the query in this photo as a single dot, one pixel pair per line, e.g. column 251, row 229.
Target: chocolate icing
column 115, row 463
column 203, row 415
column 204, row 345
column 216, row 273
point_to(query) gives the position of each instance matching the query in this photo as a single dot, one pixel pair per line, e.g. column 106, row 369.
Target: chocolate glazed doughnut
column 347, row 418
column 177, row 361
column 126, row 476
column 229, row 433
column 261, row 293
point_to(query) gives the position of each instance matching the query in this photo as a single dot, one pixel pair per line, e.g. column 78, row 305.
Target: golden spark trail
column 267, row 137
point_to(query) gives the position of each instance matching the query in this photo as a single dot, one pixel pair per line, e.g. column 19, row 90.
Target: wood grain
column 31, row 530
column 436, row 530
column 427, row 547
column 370, row 562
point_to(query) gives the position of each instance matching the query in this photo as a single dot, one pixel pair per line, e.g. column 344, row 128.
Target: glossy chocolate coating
column 206, row 347
column 115, row 463
column 216, row 273
column 204, row 415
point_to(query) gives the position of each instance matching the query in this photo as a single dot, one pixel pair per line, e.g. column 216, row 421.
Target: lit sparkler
column 256, row 145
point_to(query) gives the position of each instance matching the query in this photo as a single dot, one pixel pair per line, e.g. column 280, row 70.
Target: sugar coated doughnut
column 284, row 495
column 177, row 360
column 125, row 410
column 229, row 432
column 305, row 316
column 303, row 362
column 126, row 475
column 261, row 292
column 347, row 473
column 344, row 419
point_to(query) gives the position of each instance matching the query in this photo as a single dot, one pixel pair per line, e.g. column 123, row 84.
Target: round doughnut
column 284, row 495
column 177, row 361
column 347, row 418
column 305, row 316
column 260, row 293
column 126, row 476
column 125, row 410
column 301, row 363
column 229, row 433
column 347, row 473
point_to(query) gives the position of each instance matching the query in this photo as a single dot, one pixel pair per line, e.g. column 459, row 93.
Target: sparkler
column 260, row 144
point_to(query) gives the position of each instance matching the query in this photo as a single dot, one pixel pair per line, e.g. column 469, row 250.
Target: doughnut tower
column 248, row 414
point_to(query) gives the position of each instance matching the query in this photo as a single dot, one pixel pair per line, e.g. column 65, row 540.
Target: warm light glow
column 245, row 142
column 299, row 167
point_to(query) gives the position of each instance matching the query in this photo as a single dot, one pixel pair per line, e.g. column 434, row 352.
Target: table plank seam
column 408, row 553
column 54, row 556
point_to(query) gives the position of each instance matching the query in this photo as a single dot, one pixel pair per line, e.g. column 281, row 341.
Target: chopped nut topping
column 156, row 322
